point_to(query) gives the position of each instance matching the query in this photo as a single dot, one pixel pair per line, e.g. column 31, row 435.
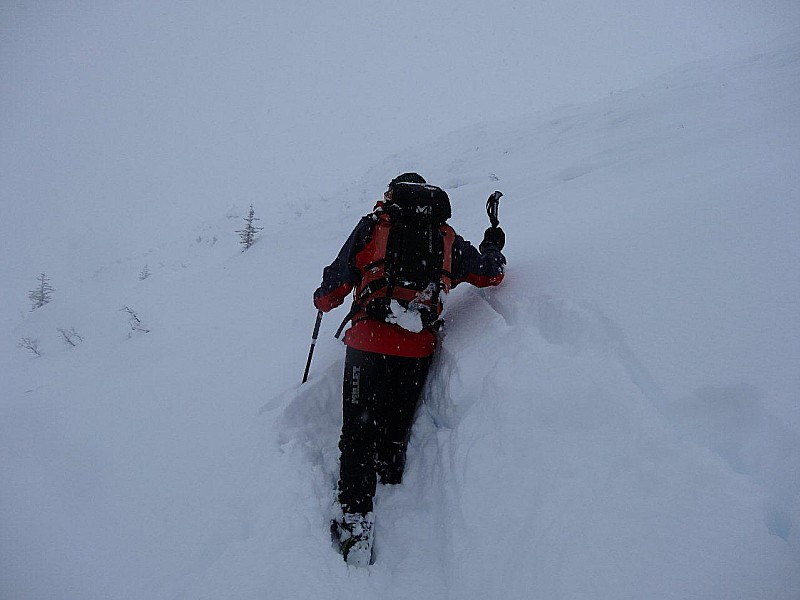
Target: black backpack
column 412, row 270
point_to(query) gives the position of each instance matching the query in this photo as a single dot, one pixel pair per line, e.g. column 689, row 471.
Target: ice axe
column 492, row 204
column 314, row 337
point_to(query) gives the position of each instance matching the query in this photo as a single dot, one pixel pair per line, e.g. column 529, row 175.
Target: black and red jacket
column 343, row 275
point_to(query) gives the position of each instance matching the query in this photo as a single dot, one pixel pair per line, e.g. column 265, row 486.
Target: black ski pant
column 380, row 397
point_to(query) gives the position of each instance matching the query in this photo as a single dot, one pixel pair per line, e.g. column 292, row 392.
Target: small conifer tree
column 70, row 336
column 31, row 345
column 42, row 294
column 144, row 273
column 248, row 234
column 134, row 321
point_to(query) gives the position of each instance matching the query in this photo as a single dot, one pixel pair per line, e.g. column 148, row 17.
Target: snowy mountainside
column 617, row 420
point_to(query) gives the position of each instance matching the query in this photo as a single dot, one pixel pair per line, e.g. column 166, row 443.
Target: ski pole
column 313, row 343
column 492, row 204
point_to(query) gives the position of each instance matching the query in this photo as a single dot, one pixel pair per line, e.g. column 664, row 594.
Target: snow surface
column 618, row 420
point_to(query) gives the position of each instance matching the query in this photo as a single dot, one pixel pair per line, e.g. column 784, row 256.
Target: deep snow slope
column 617, row 420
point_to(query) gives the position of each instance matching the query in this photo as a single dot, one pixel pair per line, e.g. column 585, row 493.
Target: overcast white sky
column 117, row 115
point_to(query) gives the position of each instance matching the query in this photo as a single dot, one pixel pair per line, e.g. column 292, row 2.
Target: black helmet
column 407, row 178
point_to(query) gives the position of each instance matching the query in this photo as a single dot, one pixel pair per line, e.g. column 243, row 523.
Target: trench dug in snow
column 541, row 458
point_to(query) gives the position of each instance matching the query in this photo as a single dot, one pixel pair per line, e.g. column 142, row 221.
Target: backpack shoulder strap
column 448, row 236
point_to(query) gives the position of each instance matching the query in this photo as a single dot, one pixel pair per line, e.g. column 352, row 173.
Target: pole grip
column 492, row 205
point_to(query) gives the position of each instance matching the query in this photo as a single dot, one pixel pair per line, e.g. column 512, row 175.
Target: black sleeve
column 343, row 269
column 480, row 269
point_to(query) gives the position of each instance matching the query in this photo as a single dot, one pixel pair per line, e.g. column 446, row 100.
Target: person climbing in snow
column 399, row 261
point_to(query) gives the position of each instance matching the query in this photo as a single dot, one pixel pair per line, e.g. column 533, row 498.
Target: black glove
column 493, row 237
column 318, row 300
